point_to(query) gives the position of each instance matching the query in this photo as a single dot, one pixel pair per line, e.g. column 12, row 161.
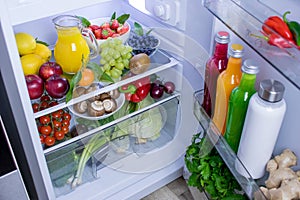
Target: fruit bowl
column 147, row 44
column 122, row 36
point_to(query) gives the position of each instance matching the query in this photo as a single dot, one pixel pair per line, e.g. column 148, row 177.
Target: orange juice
column 70, row 49
column 227, row 80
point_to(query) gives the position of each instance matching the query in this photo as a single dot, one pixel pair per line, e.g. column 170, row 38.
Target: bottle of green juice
column 238, row 104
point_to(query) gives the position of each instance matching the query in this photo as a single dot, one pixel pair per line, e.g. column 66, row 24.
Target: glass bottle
column 263, row 120
column 238, row 104
column 227, row 80
column 214, row 66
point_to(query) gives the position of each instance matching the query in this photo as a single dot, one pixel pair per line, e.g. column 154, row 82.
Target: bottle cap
column 236, row 51
column 250, row 67
column 271, row 90
column 222, row 37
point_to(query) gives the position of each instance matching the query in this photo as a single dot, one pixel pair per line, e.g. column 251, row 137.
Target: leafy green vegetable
column 209, row 173
column 75, row 79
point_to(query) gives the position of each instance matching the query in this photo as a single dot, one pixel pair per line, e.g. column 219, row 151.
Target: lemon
column 31, row 63
column 43, row 51
column 25, row 42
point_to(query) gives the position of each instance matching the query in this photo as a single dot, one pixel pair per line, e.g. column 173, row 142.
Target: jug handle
column 91, row 41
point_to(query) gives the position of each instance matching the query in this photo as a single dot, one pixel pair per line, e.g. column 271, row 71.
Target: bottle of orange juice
column 227, row 80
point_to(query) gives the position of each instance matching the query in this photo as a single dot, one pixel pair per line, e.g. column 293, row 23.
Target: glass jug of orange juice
column 75, row 44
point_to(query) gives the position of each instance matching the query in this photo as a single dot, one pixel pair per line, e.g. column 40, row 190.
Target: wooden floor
column 176, row 190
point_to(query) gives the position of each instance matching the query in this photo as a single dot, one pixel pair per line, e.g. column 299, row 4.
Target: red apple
column 35, row 86
column 57, row 86
column 48, row 69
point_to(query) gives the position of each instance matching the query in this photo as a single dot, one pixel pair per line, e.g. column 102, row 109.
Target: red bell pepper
column 136, row 91
column 276, row 40
column 277, row 25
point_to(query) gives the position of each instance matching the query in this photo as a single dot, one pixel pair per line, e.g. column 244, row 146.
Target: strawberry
column 114, row 24
column 105, row 25
column 97, row 33
column 115, row 35
column 106, row 33
column 123, row 29
column 94, row 27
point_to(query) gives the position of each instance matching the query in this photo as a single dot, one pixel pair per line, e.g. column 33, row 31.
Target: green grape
column 128, row 55
column 103, row 61
column 116, row 55
column 106, row 67
column 112, row 62
column 114, row 73
column 126, row 63
column 119, row 66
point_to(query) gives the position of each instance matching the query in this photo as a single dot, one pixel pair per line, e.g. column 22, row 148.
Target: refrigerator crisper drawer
column 130, row 146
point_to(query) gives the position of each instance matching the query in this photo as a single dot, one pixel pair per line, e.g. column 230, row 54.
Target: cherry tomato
column 46, row 130
column 61, row 111
column 56, row 115
column 35, row 107
column 65, row 122
column 56, row 124
column 65, row 129
column 42, row 138
column 45, row 98
column 49, row 141
column 53, row 103
column 67, row 116
column 45, row 119
column 59, row 135
column 44, row 105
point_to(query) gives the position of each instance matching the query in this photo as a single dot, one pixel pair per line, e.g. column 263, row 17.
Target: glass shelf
column 214, row 138
column 245, row 18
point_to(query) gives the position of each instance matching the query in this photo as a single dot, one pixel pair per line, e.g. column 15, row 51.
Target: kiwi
column 139, row 63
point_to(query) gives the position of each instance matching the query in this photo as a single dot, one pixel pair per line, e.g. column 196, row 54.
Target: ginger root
column 283, row 183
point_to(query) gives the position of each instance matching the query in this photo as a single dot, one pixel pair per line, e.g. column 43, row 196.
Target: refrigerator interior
column 189, row 43
column 142, row 169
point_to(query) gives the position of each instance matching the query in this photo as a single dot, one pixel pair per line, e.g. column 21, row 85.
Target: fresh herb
column 85, row 22
column 209, row 173
column 41, row 42
column 138, row 29
column 121, row 19
column 101, row 76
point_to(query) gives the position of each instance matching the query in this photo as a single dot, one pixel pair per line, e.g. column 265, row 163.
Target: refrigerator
column 186, row 30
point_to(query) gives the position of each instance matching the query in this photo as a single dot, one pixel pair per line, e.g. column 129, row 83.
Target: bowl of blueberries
column 142, row 42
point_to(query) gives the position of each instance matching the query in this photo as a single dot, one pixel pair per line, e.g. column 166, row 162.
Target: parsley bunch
column 209, row 173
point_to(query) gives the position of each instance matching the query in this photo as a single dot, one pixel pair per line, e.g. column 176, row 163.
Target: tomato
column 53, row 103
column 67, row 116
column 44, row 105
column 65, row 129
column 61, row 111
column 49, row 141
column 65, row 122
column 56, row 115
column 42, row 139
column 45, row 119
column 46, row 130
column 56, row 124
column 35, row 107
column 45, row 98
column 59, row 135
